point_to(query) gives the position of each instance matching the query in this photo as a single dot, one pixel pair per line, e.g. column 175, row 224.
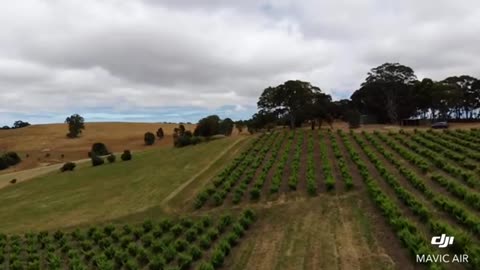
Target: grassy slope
column 95, row 194
column 39, row 140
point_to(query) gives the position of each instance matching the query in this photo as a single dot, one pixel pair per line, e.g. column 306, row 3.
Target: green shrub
column 137, row 233
column 17, row 265
column 206, row 221
column 97, row 161
column 131, row 265
column 213, row 233
column 186, row 222
column 99, row 149
column 127, row 229
column 177, row 230
column 147, row 240
column 238, row 229
column 195, row 252
column 143, row 256
column 11, row 158
column 160, row 133
column 217, row 258
column 121, row 257
column 157, row 246
column 127, row 155
column 255, row 194
column 147, row 226
column 69, row 166
column 111, row 158
column 165, row 225
column 132, row 249
column 191, row 235
column 157, row 263
column 169, row 253
column 206, row 266
column 108, row 229
column 149, row 138
column 232, row 238
column 180, row 245
column 184, row 261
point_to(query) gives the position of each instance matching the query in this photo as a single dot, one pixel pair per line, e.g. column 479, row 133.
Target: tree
column 181, row 129
column 387, row 93
column 240, row 125
column 466, row 97
column 290, row 98
column 226, row 126
column 435, row 99
column 20, row 124
column 75, row 125
column 11, row 158
column 261, row 120
column 208, row 126
column 353, row 118
column 149, row 138
column 320, row 109
column 339, row 108
column 99, row 149
column 160, row 133
column 182, row 137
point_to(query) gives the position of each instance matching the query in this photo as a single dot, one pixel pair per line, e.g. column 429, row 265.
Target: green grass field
column 112, row 191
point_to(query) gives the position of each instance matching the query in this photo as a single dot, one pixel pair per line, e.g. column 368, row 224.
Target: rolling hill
column 45, row 144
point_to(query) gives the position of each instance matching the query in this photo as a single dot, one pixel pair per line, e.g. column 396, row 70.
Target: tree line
column 390, row 93
column 17, row 124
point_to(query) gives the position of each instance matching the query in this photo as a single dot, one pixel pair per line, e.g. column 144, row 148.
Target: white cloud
column 59, row 56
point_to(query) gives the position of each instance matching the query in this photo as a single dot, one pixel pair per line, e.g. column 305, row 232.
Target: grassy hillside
column 45, row 144
column 94, row 194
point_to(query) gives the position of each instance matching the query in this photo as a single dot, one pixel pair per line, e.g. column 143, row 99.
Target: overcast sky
column 178, row 60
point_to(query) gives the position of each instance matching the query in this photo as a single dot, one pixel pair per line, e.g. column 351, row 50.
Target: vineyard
column 200, row 242
column 323, row 199
column 423, row 183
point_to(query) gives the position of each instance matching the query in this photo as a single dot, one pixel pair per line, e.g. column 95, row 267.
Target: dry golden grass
column 45, row 144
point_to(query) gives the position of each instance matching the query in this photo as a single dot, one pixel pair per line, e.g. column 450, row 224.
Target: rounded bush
column 127, row 155
column 97, row 161
column 69, row 166
column 149, row 138
column 111, row 158
column 99, row 149
column 157, row 263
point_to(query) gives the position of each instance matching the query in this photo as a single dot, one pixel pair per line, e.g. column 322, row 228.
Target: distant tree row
column 17, row 124
column 213, row 125
column 390, row 93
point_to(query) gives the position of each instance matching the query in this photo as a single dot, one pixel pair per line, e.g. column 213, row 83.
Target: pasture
column 95, row 194
column 45, row 144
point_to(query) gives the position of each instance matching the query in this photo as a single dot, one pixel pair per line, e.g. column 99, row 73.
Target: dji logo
column 442, row 241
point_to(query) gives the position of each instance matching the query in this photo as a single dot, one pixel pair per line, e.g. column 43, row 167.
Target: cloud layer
column 174, row 60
